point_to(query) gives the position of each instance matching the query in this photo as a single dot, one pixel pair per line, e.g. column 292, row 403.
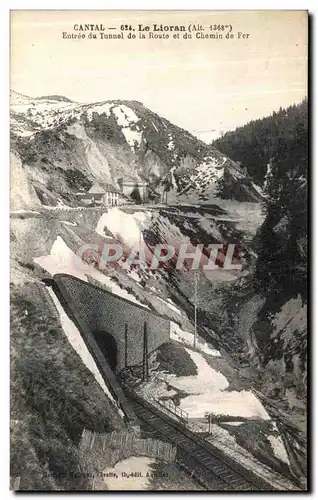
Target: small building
column 136, row 190
column 98, row 193
column 111, row 195
column 101, row 194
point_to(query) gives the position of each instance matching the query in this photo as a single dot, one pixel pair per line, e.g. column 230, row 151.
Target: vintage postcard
column 158, row 229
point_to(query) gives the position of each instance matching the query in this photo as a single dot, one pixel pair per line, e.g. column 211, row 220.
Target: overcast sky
column 204, row 86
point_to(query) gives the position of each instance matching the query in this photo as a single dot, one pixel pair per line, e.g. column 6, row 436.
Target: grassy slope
column 53, row 397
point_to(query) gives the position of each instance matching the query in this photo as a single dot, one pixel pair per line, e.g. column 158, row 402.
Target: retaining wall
column 103, row 311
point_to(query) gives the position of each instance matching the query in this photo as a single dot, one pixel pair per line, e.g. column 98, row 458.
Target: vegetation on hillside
column 279, row 278
column 282, row 239
column 53, row 398
column 275, row 152
column 254, row 144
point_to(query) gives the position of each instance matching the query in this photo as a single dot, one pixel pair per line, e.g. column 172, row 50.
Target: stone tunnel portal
column 108, row 346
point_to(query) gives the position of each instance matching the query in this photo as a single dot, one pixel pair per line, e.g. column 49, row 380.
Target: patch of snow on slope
column 258, row 188
column 233, row 403
column 132, row 136
column 99, row 109
column 179, row 335
column 78, row 344
column 173, row 179
column 278, row 448
column 206, row 393
column 210, row 227
column 171, row 306
column 134, row 275
column 123, row 475
column 45, row 113
column 197, row 384
column 123, row 226
column 68, row 223
column 170, row 143
column 292, row 317
column 143, row 218
column 206, row 175
column 63, row 260
column 125, row 118
column 22, row 211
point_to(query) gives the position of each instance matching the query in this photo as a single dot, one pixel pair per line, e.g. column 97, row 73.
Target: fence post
column 92, row 439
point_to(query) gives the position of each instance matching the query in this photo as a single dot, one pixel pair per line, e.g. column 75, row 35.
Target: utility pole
column 208, row 416
column 195, row 307
column 126, row 342
column 145, row 354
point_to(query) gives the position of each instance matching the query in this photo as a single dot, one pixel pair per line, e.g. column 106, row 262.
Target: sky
column 202, row 85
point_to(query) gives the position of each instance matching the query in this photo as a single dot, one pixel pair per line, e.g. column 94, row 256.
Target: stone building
column 135, row 190
column 101, row 194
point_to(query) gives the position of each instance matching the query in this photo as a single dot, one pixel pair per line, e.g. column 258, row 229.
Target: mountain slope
column 255, row 143
column 270, row 309
column 66, row 146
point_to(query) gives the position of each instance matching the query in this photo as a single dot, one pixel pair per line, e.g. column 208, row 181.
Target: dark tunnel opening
column 108, row 346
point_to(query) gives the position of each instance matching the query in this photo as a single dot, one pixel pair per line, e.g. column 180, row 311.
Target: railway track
column 214, row 470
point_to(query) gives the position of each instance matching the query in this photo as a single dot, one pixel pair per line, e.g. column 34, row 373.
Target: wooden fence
column 126, row 444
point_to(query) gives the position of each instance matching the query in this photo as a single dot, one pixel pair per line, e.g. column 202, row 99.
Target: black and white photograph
column 158, row 250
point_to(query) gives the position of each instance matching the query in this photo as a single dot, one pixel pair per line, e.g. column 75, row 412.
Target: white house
column 101, row 194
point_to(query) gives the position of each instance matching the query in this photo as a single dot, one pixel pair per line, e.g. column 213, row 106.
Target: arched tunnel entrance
column 108, row 346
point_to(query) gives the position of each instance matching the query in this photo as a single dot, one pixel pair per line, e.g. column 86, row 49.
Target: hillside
column 271, row 306
column 65, row 146
column 252, row 341
column 254, row 144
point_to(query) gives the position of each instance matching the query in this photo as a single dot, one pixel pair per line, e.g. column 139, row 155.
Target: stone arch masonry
column 102, row 310
column 92, row 308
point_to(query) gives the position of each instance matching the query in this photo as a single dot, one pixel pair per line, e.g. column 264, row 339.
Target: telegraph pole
column 126, row 342
column 195, row 307
column 145, row 354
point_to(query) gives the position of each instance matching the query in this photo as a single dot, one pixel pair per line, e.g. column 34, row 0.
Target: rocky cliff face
column 65, row 146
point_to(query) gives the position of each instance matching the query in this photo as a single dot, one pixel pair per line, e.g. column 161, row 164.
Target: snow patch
column 170, row 305
column 99, row 109
column 197, row 384
column 207, row 393
column 170, row 143
column 123, row 226
column 278, row 448
column 184, row 337
column 125, row 116
column 68, row 223
column 121, row 477
column 258, row 189
column 63, row 260
column 234, row 424
column 232, row 403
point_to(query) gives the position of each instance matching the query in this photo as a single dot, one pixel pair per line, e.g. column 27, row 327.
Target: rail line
column 214, row 470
